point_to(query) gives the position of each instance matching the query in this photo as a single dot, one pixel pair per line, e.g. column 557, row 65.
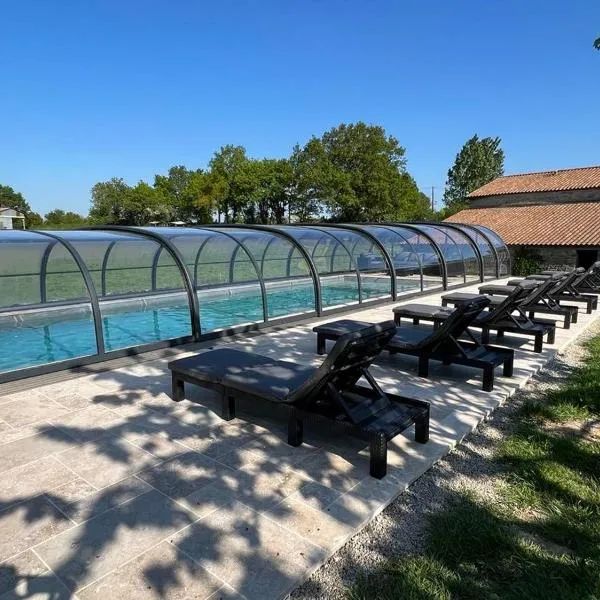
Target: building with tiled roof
column 553, row 215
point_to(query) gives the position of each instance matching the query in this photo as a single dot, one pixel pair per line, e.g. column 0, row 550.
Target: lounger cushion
column 342, row 327
column 259, row 375
column 422, row 311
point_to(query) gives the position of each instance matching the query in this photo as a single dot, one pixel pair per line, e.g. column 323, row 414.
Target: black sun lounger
column 329, row 391
column 536, row 302
column 501, row 319
column 442, row 344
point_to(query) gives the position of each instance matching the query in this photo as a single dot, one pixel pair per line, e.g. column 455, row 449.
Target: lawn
column 539, row 538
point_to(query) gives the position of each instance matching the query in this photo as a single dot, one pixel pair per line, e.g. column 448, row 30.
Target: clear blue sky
column 103, row 88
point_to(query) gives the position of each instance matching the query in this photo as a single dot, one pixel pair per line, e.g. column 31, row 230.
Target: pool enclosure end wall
column 71, row 298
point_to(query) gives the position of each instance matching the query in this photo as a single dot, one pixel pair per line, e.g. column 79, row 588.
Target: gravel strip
column 399, row 530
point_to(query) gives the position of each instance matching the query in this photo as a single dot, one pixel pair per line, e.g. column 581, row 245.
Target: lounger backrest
column 345, row 363
column 537, row 293
column 514, row 299
column 456, row 323
column 564, row 283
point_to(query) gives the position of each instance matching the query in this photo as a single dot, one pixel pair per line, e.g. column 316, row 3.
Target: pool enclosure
column 69, row 298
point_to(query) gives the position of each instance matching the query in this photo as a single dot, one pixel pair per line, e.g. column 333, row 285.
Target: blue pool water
column 45, row 340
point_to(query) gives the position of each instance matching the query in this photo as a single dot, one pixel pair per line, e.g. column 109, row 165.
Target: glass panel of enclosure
column 288, row 280
column 488, row 254
column 456, row 271
column 375, row 276
column 226, row 280
column 139, row 303
column 468, row 251
column 407, row 264
column 335, row 265
column 501, row 250
column 45, row 309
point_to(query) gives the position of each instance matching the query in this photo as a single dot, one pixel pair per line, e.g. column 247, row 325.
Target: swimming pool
column 31, row 338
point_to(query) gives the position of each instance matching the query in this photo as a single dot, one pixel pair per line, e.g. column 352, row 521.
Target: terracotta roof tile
column 570, row 224
column 546, row 181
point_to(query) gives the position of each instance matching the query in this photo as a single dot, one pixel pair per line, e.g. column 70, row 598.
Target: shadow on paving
column 185, row 520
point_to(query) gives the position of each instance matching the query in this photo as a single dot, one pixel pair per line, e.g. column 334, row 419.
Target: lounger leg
column 422, row 429
column 539, row 342
column 397, row 320
column 508, row 367
column 485, row 336
column 295, row 430
column 589, row 307
column 488, row 379
column 531, row 314
column 444, row 302
column 552, row 336
column 423, row 366
column 227, row 407
column 573, row 317
column 415, row 321
column 378, row 456
column 177, row 388
column 321, row 344
column 499, row 335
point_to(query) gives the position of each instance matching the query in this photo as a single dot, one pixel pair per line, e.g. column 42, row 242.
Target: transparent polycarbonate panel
column 501, row 249
column 334, row 263
column 375, row 276
column 227, row 282
column 404, row 257
column 485, row 248
column 141, row 289
column 21, row 255
column 288, row 280
column 36, row 273
column 451, row 251
column 45, row 334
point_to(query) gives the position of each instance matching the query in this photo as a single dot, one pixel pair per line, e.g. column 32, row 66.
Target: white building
column 11, row 219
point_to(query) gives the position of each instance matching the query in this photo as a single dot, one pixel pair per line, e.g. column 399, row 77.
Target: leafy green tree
column 109, row 200
column 34, row 220
column 597, row 43
column 59, row 219
column 309, row 166
column 478, row 162
column 15, row 200
column 359, row 173
column 229, row 182
column 187, row 193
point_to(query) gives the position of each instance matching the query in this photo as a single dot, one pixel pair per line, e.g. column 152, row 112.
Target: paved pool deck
column 112, row 490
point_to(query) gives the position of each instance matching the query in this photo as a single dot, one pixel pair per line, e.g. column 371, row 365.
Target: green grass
column 540, row 539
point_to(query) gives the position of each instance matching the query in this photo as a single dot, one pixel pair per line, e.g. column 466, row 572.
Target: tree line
column 353, row 172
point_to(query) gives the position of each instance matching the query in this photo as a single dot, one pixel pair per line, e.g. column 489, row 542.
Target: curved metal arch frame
column 44, row 271
column 95, row 303
column 434, row 245
column 296, row 244
column 376, row 242
column 179, row 261
column 453, row 227
column 398, row 234
column 352, row 261
column 261, row 281
column 105, row 265
column 484, row 235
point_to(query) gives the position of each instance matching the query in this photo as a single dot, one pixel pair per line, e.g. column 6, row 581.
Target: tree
column 478, row 162
column 229, row 181
column 597, row 43
column 15, row 200
column 109, row 199
column 59, row 219
column 187, row 193
column 358, row 173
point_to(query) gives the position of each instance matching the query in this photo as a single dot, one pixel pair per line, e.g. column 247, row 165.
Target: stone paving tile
column 184, row 474
column 25, row 412
column 107, row 462
column 88, row 424
column 89, row 551
column 161, row 573
column 27, row 524
column 32, row 479
column 251, row 553
column 29, row 448
column 18, row 570
column 40, row 587
column 72, row 491
column 99, row 501
column 72, row 401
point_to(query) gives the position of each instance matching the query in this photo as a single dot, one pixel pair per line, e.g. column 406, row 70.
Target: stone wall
column 552, row 257
column 537, row 198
